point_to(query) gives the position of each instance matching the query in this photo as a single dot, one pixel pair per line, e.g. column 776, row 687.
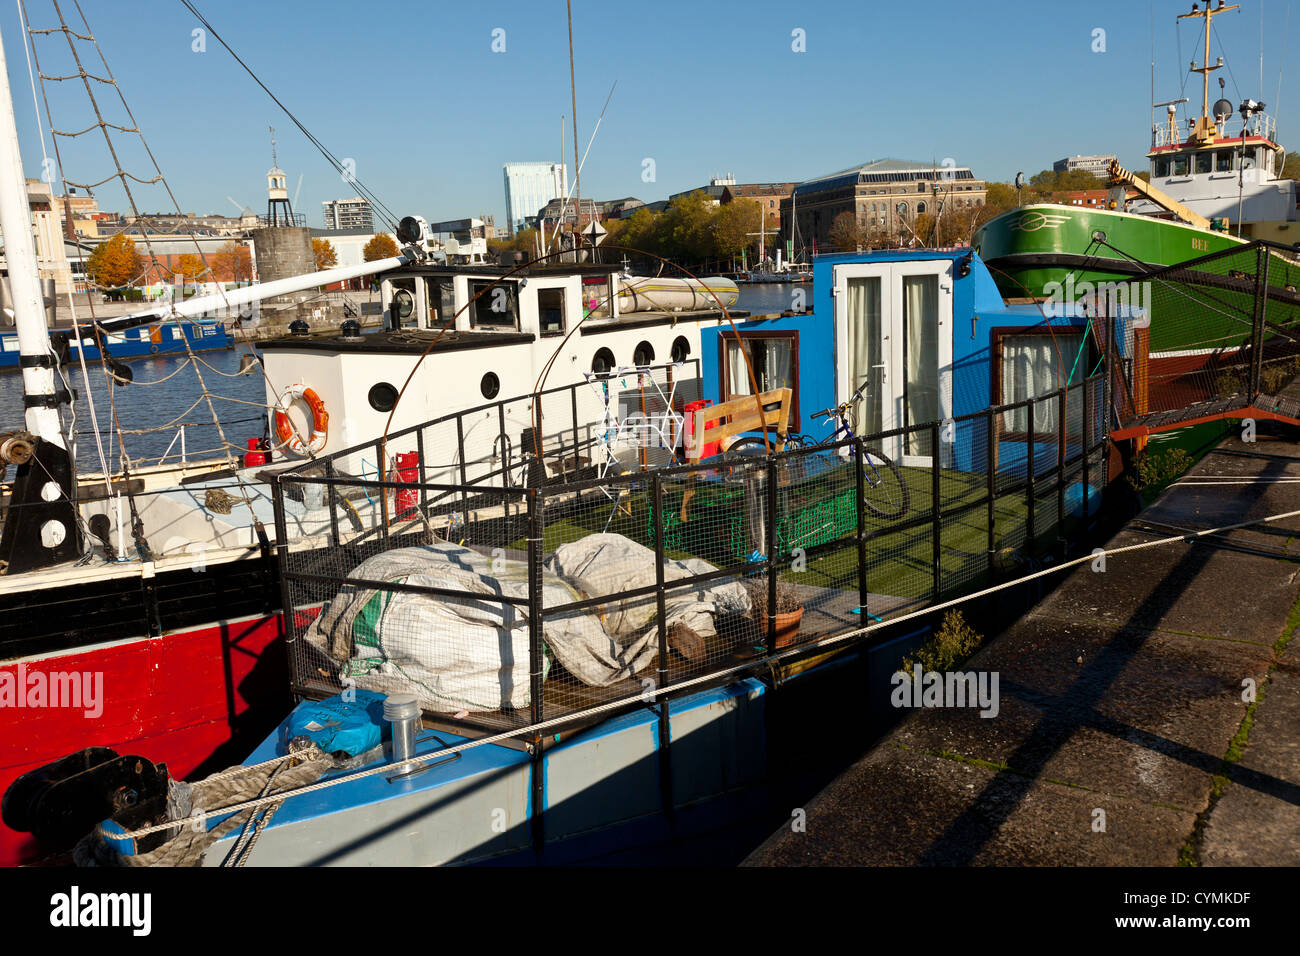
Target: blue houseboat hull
column 168, row 338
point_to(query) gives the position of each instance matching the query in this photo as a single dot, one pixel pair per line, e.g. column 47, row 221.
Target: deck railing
column 502, row 603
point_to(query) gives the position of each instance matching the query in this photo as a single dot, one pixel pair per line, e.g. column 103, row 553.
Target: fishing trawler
column 1211, row 190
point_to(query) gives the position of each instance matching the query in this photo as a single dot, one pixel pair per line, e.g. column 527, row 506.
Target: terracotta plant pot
column 787, row 627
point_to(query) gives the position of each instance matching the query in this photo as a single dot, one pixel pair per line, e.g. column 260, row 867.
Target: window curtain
column 736, row 371
column 772, row 360
column 921, row 358
column 1031, row 367
column 863, row 319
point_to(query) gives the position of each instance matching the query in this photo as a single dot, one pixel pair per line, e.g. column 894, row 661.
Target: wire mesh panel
column 545, row 589
column 1216, row 332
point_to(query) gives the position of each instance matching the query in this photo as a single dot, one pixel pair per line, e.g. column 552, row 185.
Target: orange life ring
column 320, row 420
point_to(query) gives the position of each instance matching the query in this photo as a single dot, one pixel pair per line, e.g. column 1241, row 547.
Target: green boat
column 1210, row 191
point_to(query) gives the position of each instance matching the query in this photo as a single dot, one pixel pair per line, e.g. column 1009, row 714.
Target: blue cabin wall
column 978, row 312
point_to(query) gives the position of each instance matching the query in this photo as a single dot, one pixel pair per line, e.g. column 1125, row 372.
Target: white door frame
column 891, row 275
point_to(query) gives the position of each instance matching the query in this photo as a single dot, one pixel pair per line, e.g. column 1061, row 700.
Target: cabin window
column 1034, row 363
column 1223, row 160
column 550, row 311
column 1180, row 164
column 595, row 297
column 1204, row 162
column 497, row 307
column 441, row 296
column 774, row 357
column 681, row 349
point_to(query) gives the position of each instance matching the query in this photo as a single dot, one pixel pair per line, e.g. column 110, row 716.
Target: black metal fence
column 532, row 594
column 1222, row 337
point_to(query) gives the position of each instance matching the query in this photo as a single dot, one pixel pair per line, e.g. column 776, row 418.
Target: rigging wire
column 388, row 214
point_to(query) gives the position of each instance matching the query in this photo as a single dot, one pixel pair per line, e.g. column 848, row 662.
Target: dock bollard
column 402, row 711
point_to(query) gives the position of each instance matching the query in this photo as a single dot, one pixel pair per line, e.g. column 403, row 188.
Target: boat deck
column 827, row 611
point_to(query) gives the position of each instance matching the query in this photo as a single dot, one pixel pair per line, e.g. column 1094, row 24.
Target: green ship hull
column 1038, row 251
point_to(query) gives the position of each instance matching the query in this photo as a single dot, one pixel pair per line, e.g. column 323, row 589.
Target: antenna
column 1281, row 63
column 297, row 190
column 274, row 160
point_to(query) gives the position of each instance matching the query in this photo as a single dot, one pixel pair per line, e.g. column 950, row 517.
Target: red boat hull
column 196, row 699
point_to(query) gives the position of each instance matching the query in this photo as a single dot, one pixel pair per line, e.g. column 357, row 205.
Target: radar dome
column 1222, row 110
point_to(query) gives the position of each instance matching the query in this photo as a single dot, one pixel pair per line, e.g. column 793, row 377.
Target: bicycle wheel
column 885, row 493
column 751, row 446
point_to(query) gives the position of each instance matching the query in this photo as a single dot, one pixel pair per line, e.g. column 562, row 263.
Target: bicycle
column 886, row 493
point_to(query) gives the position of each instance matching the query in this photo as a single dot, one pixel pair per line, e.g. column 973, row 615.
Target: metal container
column 402, row 711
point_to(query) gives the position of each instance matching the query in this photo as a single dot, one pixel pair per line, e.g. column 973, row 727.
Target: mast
column 42, row 414
column 1205, row 128
column 40, row 525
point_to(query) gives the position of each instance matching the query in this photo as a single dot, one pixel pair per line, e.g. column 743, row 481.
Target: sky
column 430, row 99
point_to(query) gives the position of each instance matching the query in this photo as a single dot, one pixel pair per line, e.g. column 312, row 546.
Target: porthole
column 643, row 355
column 603, row 363
column 681, row 349
column 382, row 397
column 490, row 385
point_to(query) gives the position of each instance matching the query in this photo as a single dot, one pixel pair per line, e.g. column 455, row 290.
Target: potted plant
column 787, row 613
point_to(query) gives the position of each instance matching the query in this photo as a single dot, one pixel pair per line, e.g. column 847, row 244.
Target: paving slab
column 903, row 808
column 1138, row 714
column 1257, row 820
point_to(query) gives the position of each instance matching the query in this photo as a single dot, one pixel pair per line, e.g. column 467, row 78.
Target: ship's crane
column 1119, row 176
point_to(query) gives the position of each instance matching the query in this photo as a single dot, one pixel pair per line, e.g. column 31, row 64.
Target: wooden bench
column 725, row 422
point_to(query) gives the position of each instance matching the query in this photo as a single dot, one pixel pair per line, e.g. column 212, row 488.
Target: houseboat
column 146, row 341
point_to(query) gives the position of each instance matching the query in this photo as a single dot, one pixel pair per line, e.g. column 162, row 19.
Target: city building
column 168, row 224
column 84, row 212
column 529, row 187
column 51, row 257
column 1097, row 165
column 354, row 213
column 715, row 188
column 768, row 195
column 1092, row 198
column 885, row 196
column 592, row 210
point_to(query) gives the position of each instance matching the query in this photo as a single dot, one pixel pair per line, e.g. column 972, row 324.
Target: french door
column 893, row 329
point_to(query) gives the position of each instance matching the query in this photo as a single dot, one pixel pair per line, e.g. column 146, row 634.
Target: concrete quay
column 1147, row 713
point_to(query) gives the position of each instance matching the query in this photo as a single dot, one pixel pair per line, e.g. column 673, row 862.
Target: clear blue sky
column 414, row 93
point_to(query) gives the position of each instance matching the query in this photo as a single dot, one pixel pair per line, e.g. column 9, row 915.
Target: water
column 765, row 297
column 140, row 405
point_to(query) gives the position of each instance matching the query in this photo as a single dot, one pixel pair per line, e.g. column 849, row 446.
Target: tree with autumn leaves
column 325, row 255
column 233, row 263
column 188, row 268
column 382, row 246
column 115, row 262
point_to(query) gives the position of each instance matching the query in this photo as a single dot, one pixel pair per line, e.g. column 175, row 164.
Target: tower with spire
column 278, row 210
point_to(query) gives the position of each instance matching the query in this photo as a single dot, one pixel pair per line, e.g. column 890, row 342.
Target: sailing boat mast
column 42, row 414
column 40, row 525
